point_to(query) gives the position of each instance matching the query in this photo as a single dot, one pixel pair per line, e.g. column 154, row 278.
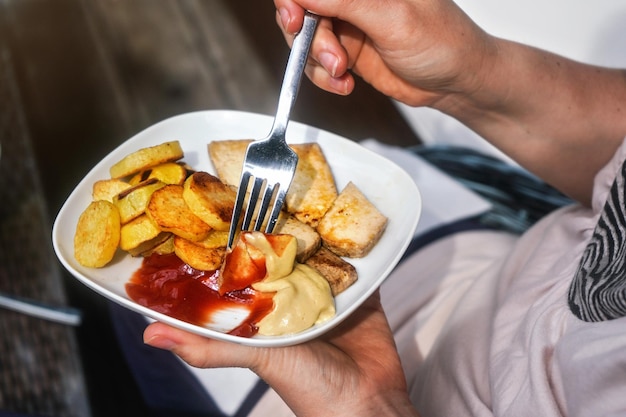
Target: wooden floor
column 91, row 73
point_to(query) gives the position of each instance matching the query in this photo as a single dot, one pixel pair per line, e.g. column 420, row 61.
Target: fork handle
column 293, row 74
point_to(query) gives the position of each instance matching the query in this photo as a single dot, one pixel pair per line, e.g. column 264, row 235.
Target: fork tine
column 278, row 204
column 241, row 196
column 265, row 202
column 252, row 202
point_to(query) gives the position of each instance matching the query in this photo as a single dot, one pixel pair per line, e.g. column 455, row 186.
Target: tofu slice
column 353, row 225
column 312, row 190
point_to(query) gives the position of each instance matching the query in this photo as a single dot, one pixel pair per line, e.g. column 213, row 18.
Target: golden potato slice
column 138, row 232
column 150, row 245
column 132, row 202
column 170, row 213
column 97, row 234
column 164, row 248
column 205, row 259
column 107, row 189
column 146, row 158
column 353, row 225
column 216, row 239
column 210, row 199
column 168, row 173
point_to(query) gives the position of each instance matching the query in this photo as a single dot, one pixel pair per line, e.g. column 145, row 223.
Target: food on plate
column 352, row 225
column 210, row 199
column 197, row 256
column 339, row 273
column 170, row 213
column 312, row 190
column 147, row 158
column 97, row 234
column 255, row 256
column 158, row 208
column 267, row 263
column 132, row 202
column 108, row 189
column 308, row 239
column 169, row 173
column 138, row 233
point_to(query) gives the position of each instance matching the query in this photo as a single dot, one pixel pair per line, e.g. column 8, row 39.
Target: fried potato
column 168, row 173
column 216, row 239
column 170, row 213
column 146, row 158
column 107, row 189
column 312, row 191
column 210, row 199
column 151, row 245
column 132, row 202
column 164, row 248
column 339, row 273
column 97, row 234
column 205, row 259
column 137, row 232
column 353, row 225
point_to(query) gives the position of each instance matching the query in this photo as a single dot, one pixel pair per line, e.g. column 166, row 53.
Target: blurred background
column 79, row 77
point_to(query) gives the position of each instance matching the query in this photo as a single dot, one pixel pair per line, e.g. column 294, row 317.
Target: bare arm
column 560, row 119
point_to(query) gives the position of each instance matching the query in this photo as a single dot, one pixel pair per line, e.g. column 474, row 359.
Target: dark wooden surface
column 88, row 74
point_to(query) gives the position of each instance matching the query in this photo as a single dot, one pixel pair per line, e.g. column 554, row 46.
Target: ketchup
column 166, row 284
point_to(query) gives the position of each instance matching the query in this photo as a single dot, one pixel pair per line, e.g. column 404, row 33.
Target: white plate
column 384, row 183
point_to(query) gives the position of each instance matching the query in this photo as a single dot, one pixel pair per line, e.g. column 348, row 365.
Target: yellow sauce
column 302, row 296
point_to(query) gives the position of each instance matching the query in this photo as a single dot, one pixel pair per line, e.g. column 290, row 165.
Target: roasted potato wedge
column 210, row 199
column 136, row 232
column 170, row 213
column 151, row 245
column 205, row 259
column 132, row 202
column 216, row 239
column 97, row 234
column 108, row 189
column 146, row 158
column 164, row 248
column 168, row 173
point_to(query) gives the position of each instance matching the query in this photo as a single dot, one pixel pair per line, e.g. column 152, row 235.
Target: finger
column 199, row 351
column 342, row 85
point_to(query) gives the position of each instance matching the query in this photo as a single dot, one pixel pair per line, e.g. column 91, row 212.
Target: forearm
column 560, row 119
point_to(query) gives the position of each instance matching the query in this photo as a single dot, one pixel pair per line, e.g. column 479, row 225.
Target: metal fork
column 270, row 161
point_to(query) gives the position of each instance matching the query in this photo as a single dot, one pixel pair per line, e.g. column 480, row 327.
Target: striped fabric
column 598, row 291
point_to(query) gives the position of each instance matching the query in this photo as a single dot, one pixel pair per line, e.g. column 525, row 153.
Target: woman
column 514, row 338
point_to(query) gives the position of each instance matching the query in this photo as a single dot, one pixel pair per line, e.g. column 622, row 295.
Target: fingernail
column 329, row 62
column 160, row 342
column 340, row 85
column 285, row 17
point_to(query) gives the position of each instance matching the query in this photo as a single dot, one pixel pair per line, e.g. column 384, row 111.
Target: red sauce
column 166, row 284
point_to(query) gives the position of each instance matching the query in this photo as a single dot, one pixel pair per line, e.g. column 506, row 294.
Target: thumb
column 197, row 350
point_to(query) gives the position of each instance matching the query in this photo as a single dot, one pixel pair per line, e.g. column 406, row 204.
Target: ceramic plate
column 384, row 183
